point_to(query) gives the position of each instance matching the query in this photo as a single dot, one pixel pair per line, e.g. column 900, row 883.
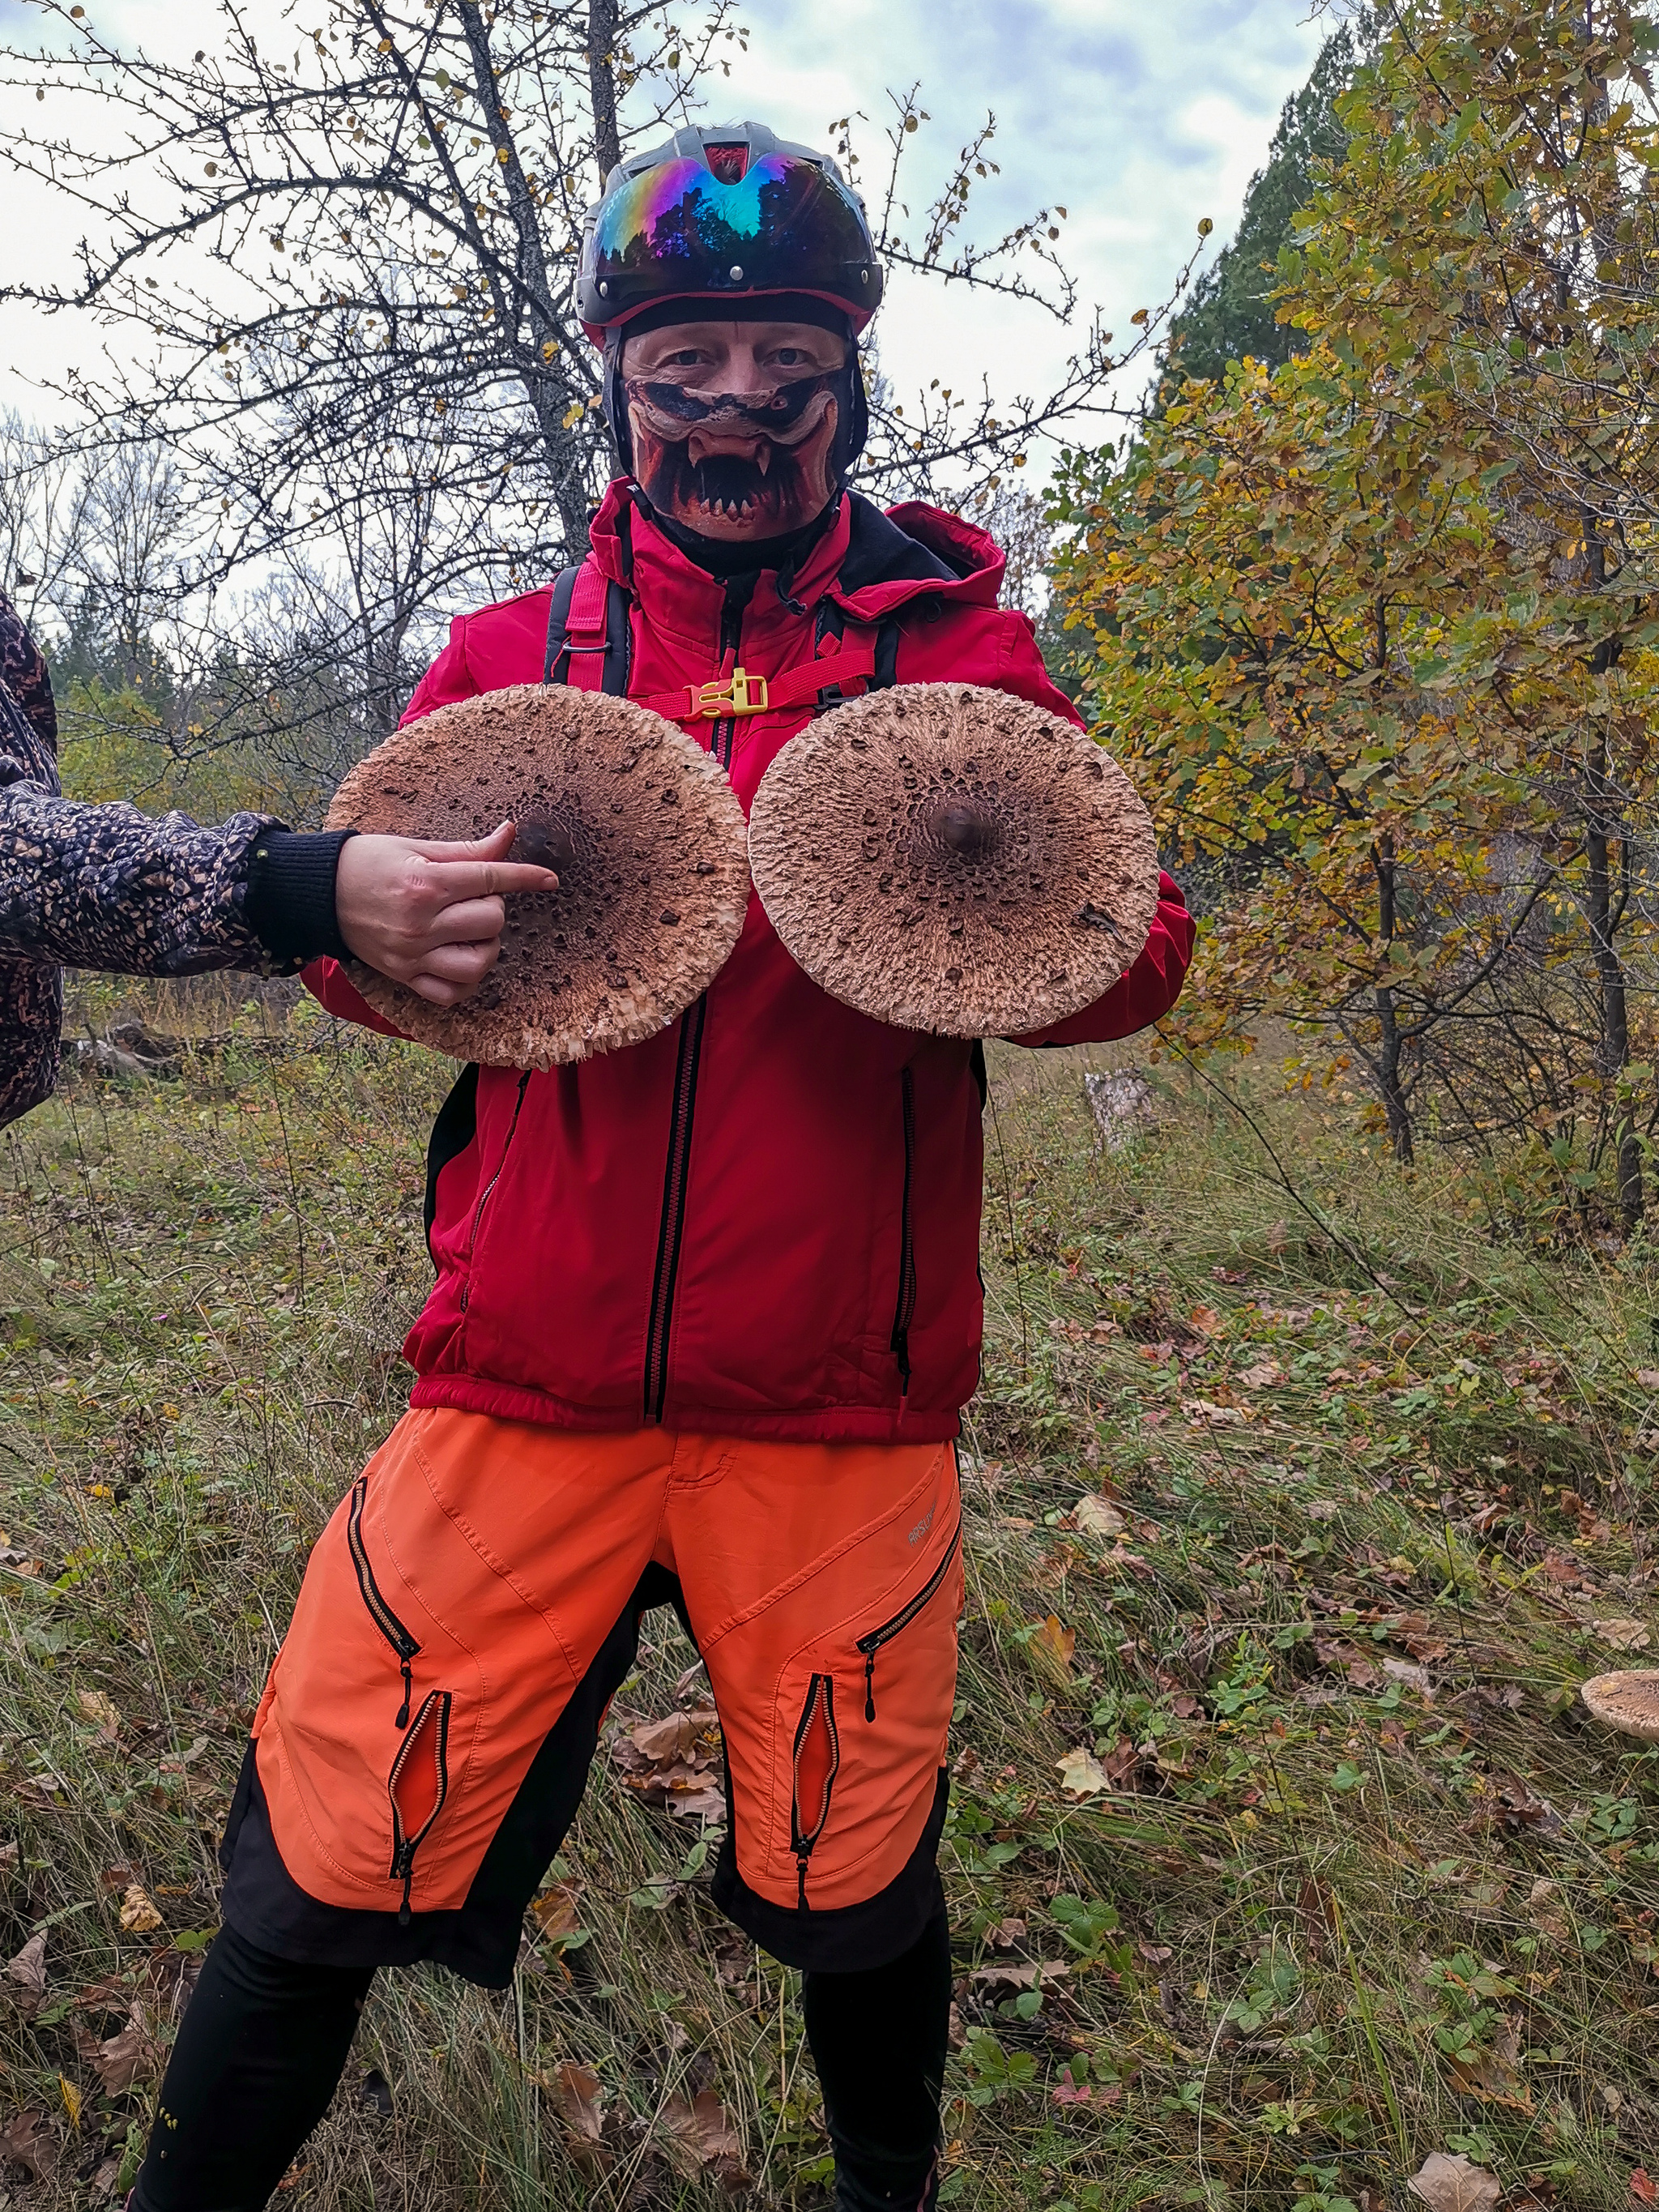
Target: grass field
column 1281, row 1854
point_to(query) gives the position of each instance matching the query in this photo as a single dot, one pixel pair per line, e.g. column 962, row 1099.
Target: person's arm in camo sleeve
column 112, row 888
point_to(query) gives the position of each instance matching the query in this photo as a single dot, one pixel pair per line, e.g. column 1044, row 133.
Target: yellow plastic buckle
column 740, row 693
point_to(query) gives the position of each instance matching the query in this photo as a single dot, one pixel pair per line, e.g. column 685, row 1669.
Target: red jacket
column 764, row 1220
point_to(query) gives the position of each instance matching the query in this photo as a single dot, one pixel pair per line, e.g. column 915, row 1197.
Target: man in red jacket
column 706, row 1310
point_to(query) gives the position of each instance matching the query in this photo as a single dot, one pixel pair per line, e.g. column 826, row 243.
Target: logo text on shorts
column 923, row 1525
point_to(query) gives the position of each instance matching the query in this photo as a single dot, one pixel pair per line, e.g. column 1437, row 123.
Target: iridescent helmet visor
column 676, row 231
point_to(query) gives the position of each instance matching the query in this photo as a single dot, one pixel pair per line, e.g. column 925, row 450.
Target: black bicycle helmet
column 722, row 214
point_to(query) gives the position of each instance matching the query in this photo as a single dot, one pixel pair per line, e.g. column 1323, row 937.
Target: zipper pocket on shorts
column 872, row 1644
column 429, row 1734
column 380, row 1612
column 816, row 1762
column 489, row 1189
column 904, row 1310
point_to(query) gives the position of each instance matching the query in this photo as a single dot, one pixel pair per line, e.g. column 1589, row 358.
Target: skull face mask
column 727, row 464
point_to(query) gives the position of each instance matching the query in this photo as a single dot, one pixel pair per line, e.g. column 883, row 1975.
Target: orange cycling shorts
column 475, row 1602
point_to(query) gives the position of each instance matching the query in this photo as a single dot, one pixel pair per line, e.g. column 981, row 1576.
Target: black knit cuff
column 289, row 904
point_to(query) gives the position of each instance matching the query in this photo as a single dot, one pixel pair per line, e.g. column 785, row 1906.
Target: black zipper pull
column 409, row 1692
column 869, row 1684
column 403, row 1914
column 801, row 1858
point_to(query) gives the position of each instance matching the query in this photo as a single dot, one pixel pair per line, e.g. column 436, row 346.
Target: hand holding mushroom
column 630, row 819
column 429, row 913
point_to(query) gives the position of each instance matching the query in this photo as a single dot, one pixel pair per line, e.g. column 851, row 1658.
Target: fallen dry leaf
column 28, row 2141
column 101, row 1712
column 1055, row 1640
column 1098, row 1517
column 1082, row 1775
column 702, row 2136
column 1413, row 1676
column 1011, row 1976
column 1494, row 2074
column 555, row 1911
column 121, row 2060
column 1644, row 2191
column 138, row 1915
column 28, row 1971
column 1623, row 1635
column 673, row 1737
column 576, row 2092
column 1204, row 1409
column 1262, row 1375
column 1453, row 2185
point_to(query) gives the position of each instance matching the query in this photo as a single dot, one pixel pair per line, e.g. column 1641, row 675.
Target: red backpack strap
column 589, row 632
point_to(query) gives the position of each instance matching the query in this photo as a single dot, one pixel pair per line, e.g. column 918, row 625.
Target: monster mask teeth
column 763, row 455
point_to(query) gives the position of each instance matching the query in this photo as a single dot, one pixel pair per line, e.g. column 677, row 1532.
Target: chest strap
column 738, row 692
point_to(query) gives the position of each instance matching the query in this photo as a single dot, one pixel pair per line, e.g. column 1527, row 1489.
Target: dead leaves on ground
column 27, row 2141
column 675, row 1761
column 1446, row 2184
column 28, row 1971
column 702, row 2140
column 699, row 2136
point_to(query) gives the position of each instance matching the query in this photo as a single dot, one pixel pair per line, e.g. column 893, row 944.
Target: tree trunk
column 602, row 84
column 1612, row 988
column 1389, row 1048
column 1390, row 1043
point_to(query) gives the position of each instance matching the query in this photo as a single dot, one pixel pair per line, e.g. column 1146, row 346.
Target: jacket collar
column 868, row 561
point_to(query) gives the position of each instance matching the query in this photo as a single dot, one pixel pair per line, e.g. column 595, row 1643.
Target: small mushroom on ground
column 641, row 825
column 947, row 858
column 1627, row 1700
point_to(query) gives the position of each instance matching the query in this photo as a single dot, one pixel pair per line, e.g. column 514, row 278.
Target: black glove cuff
column 289, row 904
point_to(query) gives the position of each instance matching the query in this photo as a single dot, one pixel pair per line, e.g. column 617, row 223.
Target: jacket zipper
column 905, row 1312
column 671, row 1230
column 818, row 1710
column 378, row 1611
column 437, row 1702
column 489, row 1189
column 872, row 1644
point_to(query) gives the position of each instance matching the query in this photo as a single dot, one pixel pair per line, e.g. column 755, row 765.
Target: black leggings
column 264, row 2043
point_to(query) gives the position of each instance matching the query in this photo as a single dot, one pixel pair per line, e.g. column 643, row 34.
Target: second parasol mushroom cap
column 642, row 827
column 948, row 858
column 1627, row 1700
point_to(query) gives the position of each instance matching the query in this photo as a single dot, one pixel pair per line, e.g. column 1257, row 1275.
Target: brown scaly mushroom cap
column 947, row 858
column 646, row 836
column 1627, row 1700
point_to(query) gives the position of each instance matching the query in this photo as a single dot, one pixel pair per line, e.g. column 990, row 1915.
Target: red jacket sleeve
column 1146, row 994
column 328, row 983
column 448, row 679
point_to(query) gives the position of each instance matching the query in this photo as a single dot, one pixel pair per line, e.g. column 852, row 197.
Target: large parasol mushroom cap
column 947, row 858
column 1627, row 1700
column 643, row 829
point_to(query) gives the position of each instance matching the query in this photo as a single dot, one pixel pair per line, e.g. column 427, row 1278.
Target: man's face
column 734, row 424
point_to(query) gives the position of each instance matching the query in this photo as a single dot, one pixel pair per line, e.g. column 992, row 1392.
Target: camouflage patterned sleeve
column 105, row 887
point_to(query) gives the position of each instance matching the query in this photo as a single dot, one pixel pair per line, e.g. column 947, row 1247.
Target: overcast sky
column 1138, row 119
